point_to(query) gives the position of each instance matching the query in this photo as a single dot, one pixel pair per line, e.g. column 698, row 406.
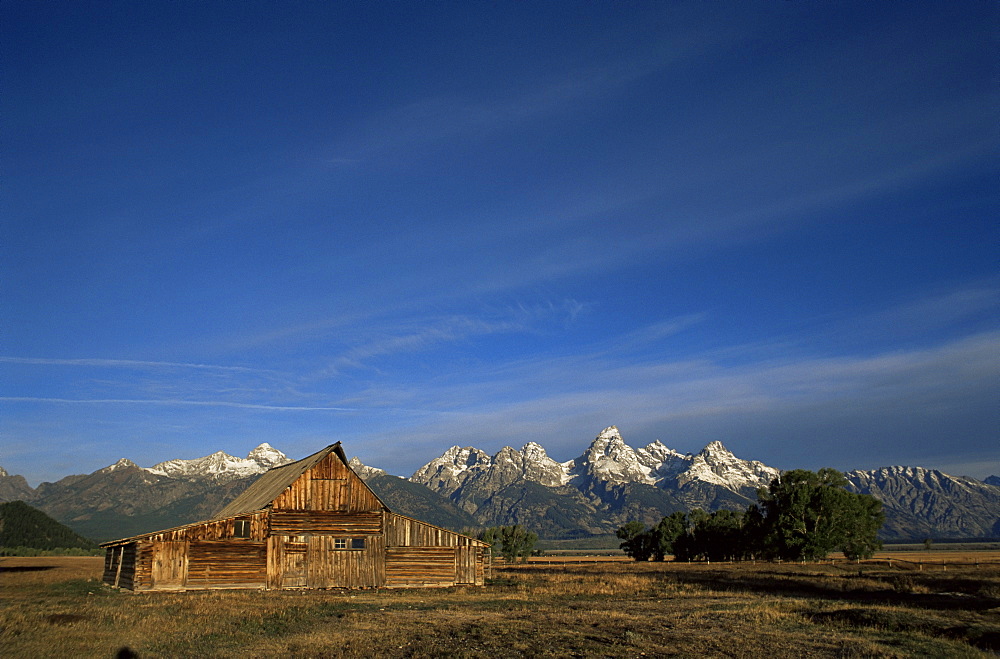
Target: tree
column 861, row 533
column 666, row 532
column 512, row 542
column 717, row 536
column 806, row 515
column 635, row 540
column 654, row 543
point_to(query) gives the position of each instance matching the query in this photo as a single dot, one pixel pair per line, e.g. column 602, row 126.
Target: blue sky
column 407, row 226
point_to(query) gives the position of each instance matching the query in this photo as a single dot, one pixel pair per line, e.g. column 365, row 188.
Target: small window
column 358, row 543
column 241, row 528
column 340, row 543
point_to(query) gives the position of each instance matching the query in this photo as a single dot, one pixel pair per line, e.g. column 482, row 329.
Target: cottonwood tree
column 718, row 536
column 804, row 515
column 512, row 542
column 654, row 543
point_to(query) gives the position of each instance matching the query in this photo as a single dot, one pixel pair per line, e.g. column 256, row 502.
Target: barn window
column 340, row 543
column 358, row 543
column 241, row 528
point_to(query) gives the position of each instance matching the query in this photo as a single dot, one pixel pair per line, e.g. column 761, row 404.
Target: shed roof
column 274, row 481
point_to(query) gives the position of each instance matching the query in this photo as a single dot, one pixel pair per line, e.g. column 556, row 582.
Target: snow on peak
column 267, row 456
column 536, row 465
column 452, row 467
column 121, row 464
column 718, row 465
column 222, row 466
column 533, row 451
column 363, row 470
column 609, row 458
column 716, row 448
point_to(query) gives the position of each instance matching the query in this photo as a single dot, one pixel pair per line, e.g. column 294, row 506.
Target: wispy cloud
column 174, row 402
column 410, row 128
column 815, row 409
column 127, row 363
column 426, row 333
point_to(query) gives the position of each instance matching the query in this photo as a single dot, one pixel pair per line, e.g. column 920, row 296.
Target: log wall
column 403, row 531
column 120, row 565
column 226, row 564
column 419, row 566
column 298, row 522
column 329, row 567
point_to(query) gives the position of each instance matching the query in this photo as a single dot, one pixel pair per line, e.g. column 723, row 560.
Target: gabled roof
column 273, row 482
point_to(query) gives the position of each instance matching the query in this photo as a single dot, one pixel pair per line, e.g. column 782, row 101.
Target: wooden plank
column 118, row 572
column 169, row 566
column 233, row 562
column 289, row 522
column 405, row 566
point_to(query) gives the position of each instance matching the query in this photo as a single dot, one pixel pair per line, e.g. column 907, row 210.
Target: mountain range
column 609, row 484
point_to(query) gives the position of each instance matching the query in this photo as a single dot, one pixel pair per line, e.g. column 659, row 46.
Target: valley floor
column 542, row 609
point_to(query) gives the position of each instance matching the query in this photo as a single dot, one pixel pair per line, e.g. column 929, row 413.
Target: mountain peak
column 718, row 465
column 716, row 447
column 121, row 464
column 609, row 458
column 533, row 448
column 609, row 434
column 363, row 470
column 267, row 456
column 221, row 466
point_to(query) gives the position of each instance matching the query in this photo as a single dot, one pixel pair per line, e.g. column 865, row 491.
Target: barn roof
column 274, row 481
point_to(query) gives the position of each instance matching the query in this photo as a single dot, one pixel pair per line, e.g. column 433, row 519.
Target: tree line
column 802, row 515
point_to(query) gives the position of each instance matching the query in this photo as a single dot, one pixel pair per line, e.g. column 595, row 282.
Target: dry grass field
column 57, row 607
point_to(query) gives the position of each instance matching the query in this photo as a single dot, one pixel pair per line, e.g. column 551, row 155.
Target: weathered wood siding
column 329, row 485
column 403, row 531
column 298, row 522
column 329, row 567
column 314, row 561
column 419, row 554
column 419, row 566
column 227, row 564
column 169, row 565
column 120, row 565
column 470, row 565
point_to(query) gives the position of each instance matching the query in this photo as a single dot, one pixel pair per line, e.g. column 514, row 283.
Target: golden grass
column 608, row 609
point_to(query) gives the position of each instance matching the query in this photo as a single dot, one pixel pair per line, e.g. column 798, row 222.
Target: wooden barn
column 307, row 524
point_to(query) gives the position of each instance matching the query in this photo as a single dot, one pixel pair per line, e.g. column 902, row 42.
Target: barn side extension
column 307, row 524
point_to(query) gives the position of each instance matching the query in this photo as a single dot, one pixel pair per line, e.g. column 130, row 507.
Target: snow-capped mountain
column 364, row 470
column 608, row 460
column 458, row 466
column 929, row 503
column 222, row 466
column 124, row 463
column 717, row 465
column 597, row 491
column 609, row 484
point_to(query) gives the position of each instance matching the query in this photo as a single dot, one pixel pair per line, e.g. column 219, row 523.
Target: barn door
column 169, row 564
column 465, row 564
column 294, row 572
